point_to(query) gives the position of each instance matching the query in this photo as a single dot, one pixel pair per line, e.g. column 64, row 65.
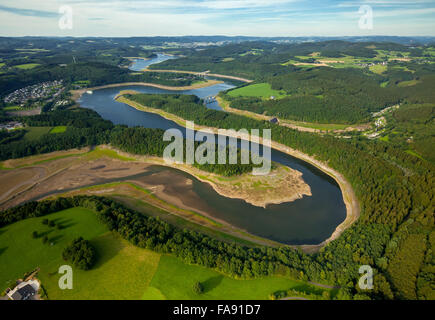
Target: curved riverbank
column 216, row 75
column 288, row 184
column 349, row 197
column 105, row 170
column 76, row 94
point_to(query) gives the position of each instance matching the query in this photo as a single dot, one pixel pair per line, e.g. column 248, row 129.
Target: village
column 12, row 125
column 35, row 92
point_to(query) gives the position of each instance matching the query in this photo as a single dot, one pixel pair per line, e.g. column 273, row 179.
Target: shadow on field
column 65, row 223
column 212, row 283
column 2, row 250
column 106, row 248
column 44, row 233
column 55, row 239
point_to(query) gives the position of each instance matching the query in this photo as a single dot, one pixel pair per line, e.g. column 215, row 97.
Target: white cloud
column 230, row 17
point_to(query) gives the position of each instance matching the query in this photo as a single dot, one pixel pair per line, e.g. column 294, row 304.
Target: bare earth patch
column 280, row 185
column 69, row 170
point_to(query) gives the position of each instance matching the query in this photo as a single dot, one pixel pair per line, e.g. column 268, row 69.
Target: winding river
column 140, row 64
column 309, row 220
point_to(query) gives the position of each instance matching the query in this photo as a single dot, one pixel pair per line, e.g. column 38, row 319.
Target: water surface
column 309, row 220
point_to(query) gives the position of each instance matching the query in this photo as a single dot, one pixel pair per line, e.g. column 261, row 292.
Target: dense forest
column 327, row 95
column 395, row 189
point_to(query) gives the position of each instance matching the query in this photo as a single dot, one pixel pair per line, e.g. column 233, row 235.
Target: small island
column 282, row 184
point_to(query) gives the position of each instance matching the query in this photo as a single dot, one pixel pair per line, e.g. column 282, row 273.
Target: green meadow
column 121, row 270
column 262, row 90
column 174, row 279
column 58, row 129
column 34, row 133
column 12, row 108
column 378, row 68
column 27, row 66
column 21, row 253
column 408, row 83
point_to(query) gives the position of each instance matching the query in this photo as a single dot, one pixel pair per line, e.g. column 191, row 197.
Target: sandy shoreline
column 349, row 197
column 76, row 94
column 302, row 189
column 216, row 75
column 68, row 173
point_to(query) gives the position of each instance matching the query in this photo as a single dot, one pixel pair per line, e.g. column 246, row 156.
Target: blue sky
column 217, row 17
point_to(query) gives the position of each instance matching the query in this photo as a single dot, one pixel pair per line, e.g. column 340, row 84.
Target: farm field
column 12, row 108
column 378, row 69
column 34, row 133
column 175, row 279
column 58, row 129
column 409, row 83
column 27, row 66
column 122, row 271
column 262, row 90
column 20, row 253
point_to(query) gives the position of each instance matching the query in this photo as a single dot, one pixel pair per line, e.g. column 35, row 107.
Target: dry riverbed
column 106, row 171
column 39, row 175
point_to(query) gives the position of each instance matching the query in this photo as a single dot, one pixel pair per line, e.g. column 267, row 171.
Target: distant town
column 38, row 91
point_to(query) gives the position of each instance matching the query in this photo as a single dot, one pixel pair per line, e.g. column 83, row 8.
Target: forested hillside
column 396, row 193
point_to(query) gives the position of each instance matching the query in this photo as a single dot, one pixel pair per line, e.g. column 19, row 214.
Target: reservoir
column 309, row 220
column 140, row 64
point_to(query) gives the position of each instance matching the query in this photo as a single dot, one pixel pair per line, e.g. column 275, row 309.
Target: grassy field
column 82, row 82
column 27, row 66
column 98, row 153
column 175, row 279
column 411, row 152
column 384, row 84
column 34, row 133
column 262, row 90
column 122, row 271
column 408, row 83
column 378, row 68
column 12, row 108
column 338, row 62
column 20, row 253
column 58, row 129
column 34, row 50
column 320, row 126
